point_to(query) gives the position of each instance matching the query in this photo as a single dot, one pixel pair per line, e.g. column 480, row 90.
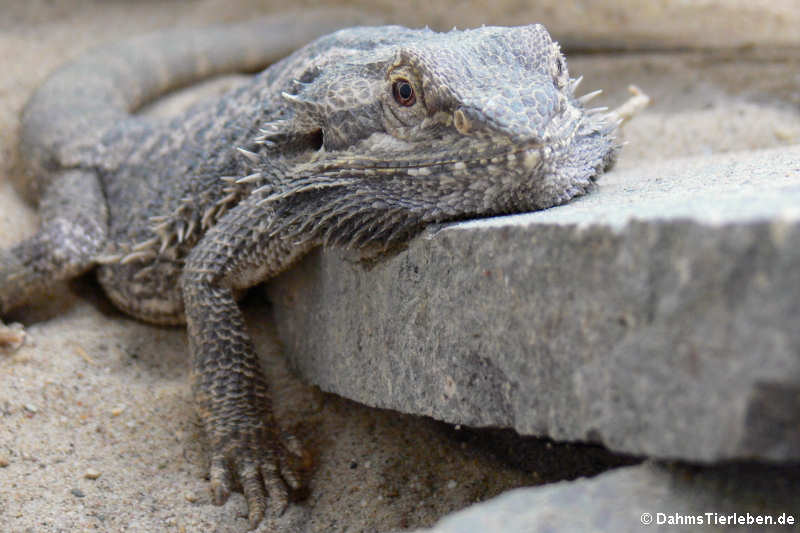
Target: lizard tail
column 83, row 98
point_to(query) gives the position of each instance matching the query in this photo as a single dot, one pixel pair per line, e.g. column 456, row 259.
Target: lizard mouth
column 526, row 158
column 453, row 162
column 474, row 149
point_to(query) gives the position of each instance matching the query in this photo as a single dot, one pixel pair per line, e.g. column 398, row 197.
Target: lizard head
column 442, row 126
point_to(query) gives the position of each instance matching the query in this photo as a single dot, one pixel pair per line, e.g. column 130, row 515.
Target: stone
column 664, row 498
column 655, row 316
column 712, row 120
column 620, row 23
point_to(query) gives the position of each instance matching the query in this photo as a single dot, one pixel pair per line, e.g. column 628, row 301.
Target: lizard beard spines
column 314, row 183
column 351, row 218
column 180, row 229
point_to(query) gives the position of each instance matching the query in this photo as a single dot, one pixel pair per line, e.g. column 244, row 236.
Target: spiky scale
column 588, row 97
column 339, row 159
column 251, row 156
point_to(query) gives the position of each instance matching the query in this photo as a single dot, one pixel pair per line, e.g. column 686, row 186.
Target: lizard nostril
column 461, row 122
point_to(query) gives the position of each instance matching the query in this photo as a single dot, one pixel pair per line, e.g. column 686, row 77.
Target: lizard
column 358, row 139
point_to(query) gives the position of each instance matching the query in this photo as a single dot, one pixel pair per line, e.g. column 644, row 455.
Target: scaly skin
column 358, row 139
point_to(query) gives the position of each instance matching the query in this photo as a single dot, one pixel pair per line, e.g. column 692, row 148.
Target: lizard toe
column 261, row 471
column 12, row 336
column 276, row 487
column 295, row 461
column 253, row 488
column 221, row 480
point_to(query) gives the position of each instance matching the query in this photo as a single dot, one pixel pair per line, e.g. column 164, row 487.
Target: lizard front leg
column 230, row 390
column 73, row 232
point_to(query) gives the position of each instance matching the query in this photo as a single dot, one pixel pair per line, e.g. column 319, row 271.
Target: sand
column 97, row 430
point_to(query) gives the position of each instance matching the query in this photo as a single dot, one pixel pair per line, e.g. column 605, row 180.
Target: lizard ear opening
column 315, row 139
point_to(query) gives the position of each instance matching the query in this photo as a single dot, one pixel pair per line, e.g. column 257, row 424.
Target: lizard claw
column 221, row 480
column 11, row 337
column 267, row 469
column 295, row 463
column 253, row 488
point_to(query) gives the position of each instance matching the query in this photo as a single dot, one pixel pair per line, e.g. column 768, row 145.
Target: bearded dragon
column 358, row 139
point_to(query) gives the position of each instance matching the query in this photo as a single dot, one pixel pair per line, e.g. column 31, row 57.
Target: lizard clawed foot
column 11, row 337
column 267, row 468
column 12, row 293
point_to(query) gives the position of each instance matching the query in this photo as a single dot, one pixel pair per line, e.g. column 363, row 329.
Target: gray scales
column 358, row 140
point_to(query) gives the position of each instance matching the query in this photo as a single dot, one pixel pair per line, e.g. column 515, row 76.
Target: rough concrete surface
column 648, row 497
column 96, row 426
column 656, row 316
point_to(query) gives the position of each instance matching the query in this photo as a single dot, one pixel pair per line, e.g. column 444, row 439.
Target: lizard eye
column 403, row 92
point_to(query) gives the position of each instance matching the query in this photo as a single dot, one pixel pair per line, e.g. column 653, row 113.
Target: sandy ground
column 97, row 430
